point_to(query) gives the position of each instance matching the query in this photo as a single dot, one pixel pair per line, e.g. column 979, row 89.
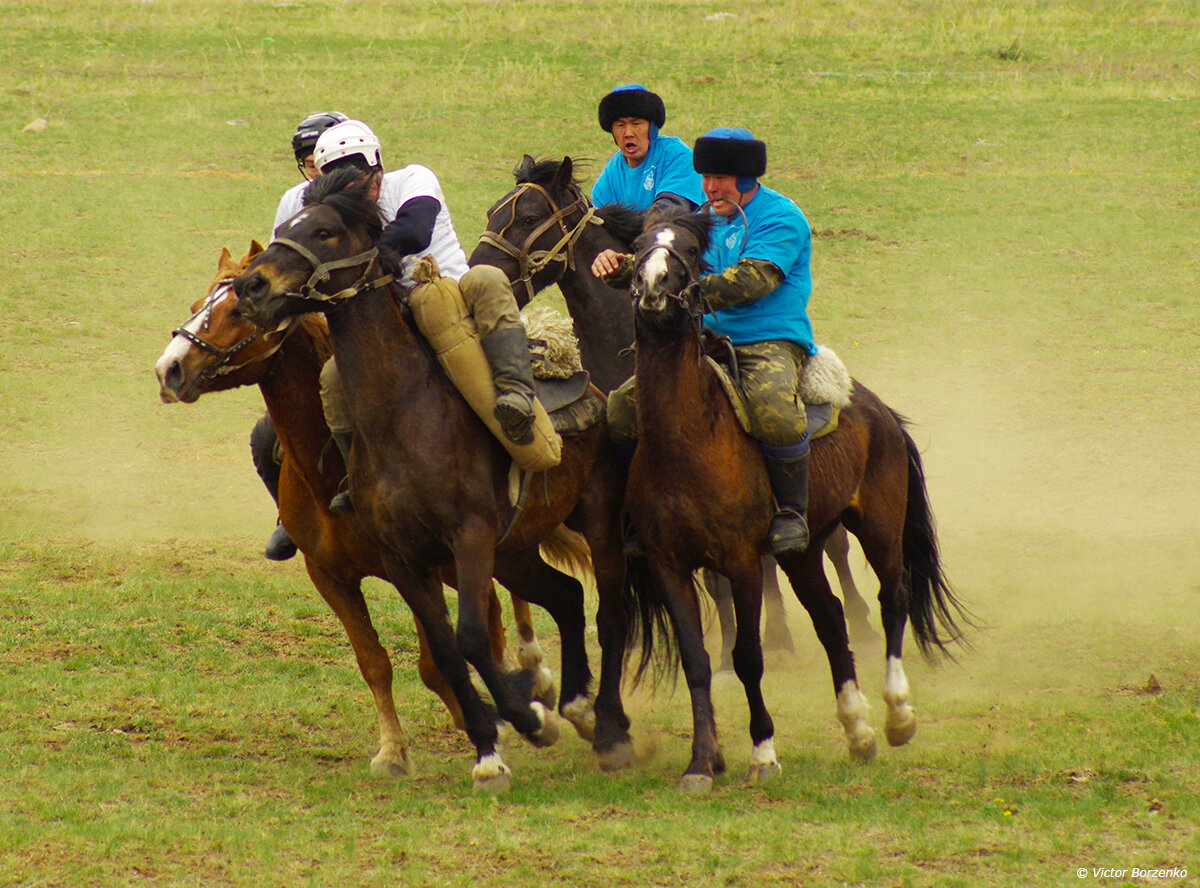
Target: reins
column 224, row 356
column 564, row 251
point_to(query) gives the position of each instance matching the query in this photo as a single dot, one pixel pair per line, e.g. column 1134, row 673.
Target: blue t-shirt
column 667, row 166
column 777, row 231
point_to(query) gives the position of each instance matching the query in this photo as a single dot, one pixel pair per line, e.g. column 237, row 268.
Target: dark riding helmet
column 731, row 151
column 631, row 100
column 310, row 129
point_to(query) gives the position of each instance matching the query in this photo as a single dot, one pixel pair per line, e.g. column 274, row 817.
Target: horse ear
column 563, row 176
column 255, row 248
column 226, row 259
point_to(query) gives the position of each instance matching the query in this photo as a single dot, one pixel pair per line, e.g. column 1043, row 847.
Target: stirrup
column 280, row 546
column 788, row 533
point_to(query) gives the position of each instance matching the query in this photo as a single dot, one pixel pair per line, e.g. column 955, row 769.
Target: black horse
column 699, row 497
column 545, row 231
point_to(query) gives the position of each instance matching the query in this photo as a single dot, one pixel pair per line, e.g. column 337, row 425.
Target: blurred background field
column 1006, row 208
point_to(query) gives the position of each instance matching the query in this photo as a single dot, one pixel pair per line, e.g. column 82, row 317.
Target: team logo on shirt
column 648, row 181
column 732, row 239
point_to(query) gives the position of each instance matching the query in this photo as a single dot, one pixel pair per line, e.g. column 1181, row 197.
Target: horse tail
column 934, row 610
column 646, row 616
column 568, row 551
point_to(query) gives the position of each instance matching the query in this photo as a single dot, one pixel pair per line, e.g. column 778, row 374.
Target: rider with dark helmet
column 762, row 244
column 264, row 444
column 304, row 143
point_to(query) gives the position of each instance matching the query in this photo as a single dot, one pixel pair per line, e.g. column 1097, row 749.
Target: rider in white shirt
column 417, row 224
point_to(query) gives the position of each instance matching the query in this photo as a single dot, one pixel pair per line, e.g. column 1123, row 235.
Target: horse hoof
column 616, row 757
column 902, row 731
column 547, row 734
column 545, row 691
column 764, row 772
column 695, row 784
column 491, row 774
column 863, row 749
column 580, row 713
column 391, row 765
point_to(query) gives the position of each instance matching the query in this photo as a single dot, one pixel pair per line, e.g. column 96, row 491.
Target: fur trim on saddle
column 553, row 348
column 825, row 379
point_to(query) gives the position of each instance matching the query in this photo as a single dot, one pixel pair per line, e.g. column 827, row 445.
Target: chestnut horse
column 432, row 483
column 544, row 232
column 698, row 495
column 216, row 350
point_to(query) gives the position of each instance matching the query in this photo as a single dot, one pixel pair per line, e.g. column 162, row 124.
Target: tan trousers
column 489, row 298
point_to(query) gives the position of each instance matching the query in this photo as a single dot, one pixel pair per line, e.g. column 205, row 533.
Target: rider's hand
column 606, row 263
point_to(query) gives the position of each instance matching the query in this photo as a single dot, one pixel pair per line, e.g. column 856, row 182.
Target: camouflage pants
column 770, row 376
column 489, row 299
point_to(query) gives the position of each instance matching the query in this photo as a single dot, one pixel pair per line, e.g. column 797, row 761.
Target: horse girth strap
column 322, row 271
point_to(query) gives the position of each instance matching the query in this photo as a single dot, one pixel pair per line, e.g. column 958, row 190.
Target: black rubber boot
column 264, row 445
column 342, row 502
column 507, row 352
column 789, row 483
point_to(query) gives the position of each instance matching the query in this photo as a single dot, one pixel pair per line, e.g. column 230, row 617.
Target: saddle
column 824, row 384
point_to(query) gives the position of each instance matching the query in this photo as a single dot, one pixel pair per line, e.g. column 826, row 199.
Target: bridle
column 686, row 295
column 323, row 270
column 224, row 356
column 533, row 261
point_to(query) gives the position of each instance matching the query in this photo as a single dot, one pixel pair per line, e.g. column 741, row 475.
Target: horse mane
column 535, row 171
column 622, row 222
column 345, row 191
column 699, row 225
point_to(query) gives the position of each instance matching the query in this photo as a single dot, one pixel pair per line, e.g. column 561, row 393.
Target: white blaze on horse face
column 179, row 347
column 654, row 270
column 296, row 219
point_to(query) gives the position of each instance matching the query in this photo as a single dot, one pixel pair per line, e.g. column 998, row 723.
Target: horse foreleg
column 346, row 600
column 527, row 575
column 746, row 586
column 807, row 576
column 858, row 613
column 720, row 592
column 679, row 592
column 474, row 566
column 422, row 591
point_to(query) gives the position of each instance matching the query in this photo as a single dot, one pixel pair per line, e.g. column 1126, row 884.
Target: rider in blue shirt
column 760, row 245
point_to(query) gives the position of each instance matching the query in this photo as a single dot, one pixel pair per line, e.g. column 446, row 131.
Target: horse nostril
column 174, row 376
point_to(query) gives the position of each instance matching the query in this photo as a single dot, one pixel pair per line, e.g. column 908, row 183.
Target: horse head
column 209, row 351
column 667, row 265
column 322, row 256
column 531, row 232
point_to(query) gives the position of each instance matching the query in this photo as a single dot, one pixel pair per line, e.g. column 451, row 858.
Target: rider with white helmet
column 417, row 223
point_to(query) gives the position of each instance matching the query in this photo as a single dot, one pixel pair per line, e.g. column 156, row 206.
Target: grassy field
column 1006, row 208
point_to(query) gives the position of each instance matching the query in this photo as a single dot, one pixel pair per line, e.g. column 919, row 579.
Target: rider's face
column 632, row 135
column 722, row 192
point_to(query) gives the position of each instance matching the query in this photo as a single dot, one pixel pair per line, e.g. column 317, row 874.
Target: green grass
column 1006, row 208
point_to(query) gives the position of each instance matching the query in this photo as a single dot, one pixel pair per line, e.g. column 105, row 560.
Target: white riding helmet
column 345, row 139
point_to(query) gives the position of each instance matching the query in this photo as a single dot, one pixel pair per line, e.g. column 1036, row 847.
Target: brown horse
column 432, row 483
column 698, row 495
column 544, row 232
column 216, row 350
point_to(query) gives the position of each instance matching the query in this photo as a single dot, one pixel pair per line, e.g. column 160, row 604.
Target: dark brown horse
column 216, row 350
column 699, row 497
column 545, row 231
column 432, row 484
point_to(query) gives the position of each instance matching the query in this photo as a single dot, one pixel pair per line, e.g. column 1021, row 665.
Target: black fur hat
column 727, row 151
column 633, row 100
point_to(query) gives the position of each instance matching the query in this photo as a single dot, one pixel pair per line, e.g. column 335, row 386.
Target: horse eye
column 529, row 220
